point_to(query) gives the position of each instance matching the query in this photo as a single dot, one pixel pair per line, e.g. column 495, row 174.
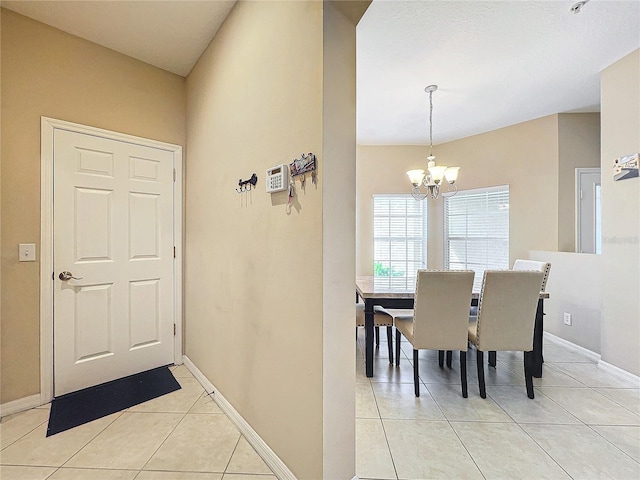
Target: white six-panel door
column 113, row 231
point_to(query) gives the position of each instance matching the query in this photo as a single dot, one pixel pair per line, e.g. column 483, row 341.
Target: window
column 399, row 240
column 476, row 231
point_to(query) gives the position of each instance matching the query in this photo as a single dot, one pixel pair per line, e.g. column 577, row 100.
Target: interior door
column 113, row 259
column 588, row 231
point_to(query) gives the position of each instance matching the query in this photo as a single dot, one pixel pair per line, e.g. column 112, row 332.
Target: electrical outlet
column 567, row 318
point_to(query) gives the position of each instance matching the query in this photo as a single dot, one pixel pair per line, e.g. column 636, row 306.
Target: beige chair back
column 507, row 309
column 544, row 267
column 441, row 309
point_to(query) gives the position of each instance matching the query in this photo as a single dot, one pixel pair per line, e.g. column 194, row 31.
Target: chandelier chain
column 430, row 124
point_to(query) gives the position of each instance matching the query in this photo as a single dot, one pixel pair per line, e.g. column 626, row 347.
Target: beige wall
column 620, row 96
column 257, row 275
column 46, row 72
column 537, row 159
column 523, row 156
column 1, row 362
column 338, row 243
column 575, row 287
column 578, row 147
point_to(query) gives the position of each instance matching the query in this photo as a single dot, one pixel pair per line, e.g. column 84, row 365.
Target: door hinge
column 174, row 329
column 174, row 174
column 174, row 252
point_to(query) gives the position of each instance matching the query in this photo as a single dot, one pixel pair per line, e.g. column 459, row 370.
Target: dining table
column 376, row 291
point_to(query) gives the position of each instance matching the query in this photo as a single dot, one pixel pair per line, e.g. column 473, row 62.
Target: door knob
column 67, row 276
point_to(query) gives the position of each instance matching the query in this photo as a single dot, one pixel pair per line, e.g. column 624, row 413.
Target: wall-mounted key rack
column 246, row 185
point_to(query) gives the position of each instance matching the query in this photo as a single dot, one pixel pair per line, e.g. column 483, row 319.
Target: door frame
column 47, row 128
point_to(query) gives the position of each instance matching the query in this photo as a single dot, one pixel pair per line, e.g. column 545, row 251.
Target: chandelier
column 433, row 179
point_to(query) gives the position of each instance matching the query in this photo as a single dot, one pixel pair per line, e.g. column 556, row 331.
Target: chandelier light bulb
column 416, row 177
column 451, row 174
column 437, row 173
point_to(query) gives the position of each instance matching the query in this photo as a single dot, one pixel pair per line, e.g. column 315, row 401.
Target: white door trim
column 47, row 127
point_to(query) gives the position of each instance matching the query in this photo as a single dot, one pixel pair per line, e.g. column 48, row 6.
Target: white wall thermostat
column 277, row 178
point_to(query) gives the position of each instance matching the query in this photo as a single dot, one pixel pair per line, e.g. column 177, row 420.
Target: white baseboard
column 593, row 356
column 20, row 405
column 280, row 470
column 206, row 384
column 618, row 372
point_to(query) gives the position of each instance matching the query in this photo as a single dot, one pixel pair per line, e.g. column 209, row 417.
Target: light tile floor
column 180, row 436
column 584, row 423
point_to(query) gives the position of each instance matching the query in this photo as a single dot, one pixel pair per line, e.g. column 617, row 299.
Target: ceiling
column 495, row 63
column 170, row 34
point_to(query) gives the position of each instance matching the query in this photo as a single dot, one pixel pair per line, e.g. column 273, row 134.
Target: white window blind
column 399, row 240
column 476, row 231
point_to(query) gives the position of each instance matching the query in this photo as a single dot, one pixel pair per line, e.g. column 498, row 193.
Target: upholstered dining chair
column 380, row 319
column 439, row 319
column 544, row 267
column 519, row 264
column 506, row 316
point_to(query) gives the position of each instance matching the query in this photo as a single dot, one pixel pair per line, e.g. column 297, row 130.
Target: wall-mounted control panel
column 277, row 178
column 626, row 167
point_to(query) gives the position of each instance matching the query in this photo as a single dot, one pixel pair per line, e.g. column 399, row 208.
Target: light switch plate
column 27, row 252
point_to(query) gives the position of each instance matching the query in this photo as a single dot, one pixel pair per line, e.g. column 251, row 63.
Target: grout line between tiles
column 544, row 450
column 91, row 439
column 384, row 431
column 184, row 415
column 569, row 374
column 610, row 442
column 595, row 389
column 466, row 449
column 232, row 454
column 57, row 469
column 25, row 434
column 560, row 406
